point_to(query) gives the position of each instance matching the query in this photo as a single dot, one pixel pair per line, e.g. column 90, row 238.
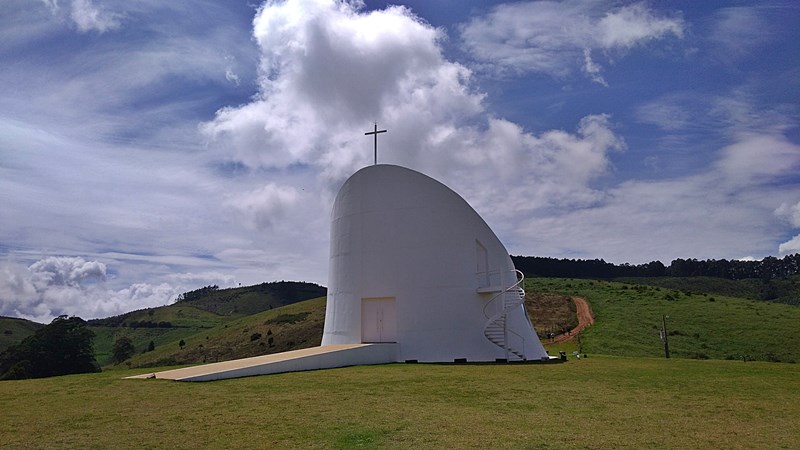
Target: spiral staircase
column 496, row 329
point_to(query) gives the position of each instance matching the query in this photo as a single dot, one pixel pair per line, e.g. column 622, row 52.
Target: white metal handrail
column 501, row 318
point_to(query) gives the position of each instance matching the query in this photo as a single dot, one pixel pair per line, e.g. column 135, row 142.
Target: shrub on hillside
column 122, row 350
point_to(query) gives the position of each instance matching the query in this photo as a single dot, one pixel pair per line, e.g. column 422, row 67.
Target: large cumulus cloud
column 64, row 285
column 58, row 285
column 328, row 70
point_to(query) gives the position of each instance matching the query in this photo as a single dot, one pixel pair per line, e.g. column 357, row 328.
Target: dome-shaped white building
column 413, row 264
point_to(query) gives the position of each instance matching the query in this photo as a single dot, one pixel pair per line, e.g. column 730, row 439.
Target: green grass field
column 599, row 402
column 700, row 326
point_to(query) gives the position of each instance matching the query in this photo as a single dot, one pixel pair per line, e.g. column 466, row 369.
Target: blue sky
column 149, row 148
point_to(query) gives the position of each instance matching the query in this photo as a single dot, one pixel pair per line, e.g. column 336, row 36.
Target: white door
column 378, row 320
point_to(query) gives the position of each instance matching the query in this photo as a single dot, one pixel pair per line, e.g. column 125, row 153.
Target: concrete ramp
column 324, row 357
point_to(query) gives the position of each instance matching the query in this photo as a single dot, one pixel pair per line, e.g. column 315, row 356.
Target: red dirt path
column 584, row 313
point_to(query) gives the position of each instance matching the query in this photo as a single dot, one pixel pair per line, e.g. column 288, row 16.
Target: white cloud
column 329, row 71
column 592, row 69
column 670, row 113
column 558, row 38
column 52, row 5
column 231, row 76
column 790, row 213
column 759, row 158
column 59, row 285
column 633, row 25
column 736, row 32
column 260, row 209
column 148, row 76
column 704, row 214
column 218, row 278
column 790, row 247
column 66, row 271
column 89, row 17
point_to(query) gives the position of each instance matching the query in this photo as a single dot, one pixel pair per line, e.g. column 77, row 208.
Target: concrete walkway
column 326, row 357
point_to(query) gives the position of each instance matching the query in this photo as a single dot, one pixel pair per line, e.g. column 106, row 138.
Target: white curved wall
column 403, row 237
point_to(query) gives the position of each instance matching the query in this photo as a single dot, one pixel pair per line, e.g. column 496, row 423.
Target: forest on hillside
column 768, row 268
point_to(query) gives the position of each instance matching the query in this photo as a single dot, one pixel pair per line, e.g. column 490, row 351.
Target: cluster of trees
column 292, row 291
column 287, row 291
column 63, row 347
column 768, row 268
column 197, row 293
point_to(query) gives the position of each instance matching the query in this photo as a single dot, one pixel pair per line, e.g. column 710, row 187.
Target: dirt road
column 585, row 319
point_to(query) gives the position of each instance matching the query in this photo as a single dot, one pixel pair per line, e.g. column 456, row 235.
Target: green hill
column 182, row 320
column 629, row 317
column 13, row 331
column 195, row 313
column 779, row 290
column 287, row 328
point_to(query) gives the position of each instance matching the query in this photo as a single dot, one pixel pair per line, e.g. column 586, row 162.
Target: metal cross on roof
column 375, row 132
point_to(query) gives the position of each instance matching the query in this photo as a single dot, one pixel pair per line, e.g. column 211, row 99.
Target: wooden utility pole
column 375, row 132
column 666, row 339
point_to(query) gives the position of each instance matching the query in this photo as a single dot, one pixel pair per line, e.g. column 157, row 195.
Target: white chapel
column 415, row 275
column 413, row 264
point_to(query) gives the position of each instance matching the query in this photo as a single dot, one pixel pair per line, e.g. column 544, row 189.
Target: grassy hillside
column 13, row 331
column 628, row 319
column 287, row 328
column 782, row 290
column 599, row 402
column 184, row 321
column 203, row 310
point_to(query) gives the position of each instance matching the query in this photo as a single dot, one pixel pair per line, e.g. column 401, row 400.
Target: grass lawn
column 599, row 402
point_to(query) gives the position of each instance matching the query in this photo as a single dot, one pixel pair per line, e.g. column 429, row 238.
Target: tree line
column 768, row 268
column 197, row 293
